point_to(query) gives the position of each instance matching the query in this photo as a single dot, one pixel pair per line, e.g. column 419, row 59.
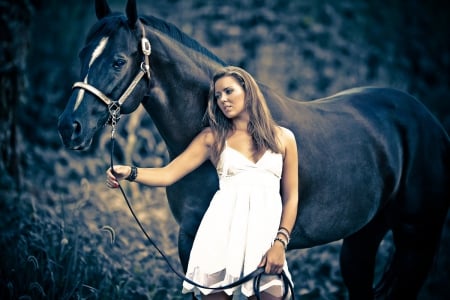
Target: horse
column 372, row 160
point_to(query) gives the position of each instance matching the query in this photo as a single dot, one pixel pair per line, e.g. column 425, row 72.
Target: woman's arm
column 289, row 182
column 275, row 256
column 192, row 157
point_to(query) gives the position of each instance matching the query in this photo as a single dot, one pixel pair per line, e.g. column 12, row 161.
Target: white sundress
column 239, row 225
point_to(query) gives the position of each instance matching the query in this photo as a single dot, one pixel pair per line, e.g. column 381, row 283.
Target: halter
column 114, row 116
column 114, row 106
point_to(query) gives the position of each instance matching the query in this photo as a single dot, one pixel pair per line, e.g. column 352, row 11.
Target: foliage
column 61, row 251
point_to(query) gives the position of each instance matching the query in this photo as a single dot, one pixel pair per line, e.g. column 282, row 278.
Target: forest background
column 64, row 235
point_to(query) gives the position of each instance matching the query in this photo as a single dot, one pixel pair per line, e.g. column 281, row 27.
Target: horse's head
column 114, row 74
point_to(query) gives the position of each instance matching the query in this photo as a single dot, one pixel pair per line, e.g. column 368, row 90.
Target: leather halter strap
column 144, row 69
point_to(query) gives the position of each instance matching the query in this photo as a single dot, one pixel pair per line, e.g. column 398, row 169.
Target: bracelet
column 133, row 174
column 281, row 241
column 285, row 229
column 284, row 232
column 285, row 235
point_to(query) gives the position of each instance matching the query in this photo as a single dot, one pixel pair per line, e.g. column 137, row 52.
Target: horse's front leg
column 184, row 248
column 189, row 198
column 185, row 242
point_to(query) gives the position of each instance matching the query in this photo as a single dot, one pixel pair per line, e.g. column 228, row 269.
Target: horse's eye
column 118, row 63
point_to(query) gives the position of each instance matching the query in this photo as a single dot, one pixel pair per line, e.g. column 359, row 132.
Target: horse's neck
column 177, row 101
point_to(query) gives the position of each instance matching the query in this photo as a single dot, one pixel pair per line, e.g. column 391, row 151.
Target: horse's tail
column 447, row 167
column 383, row 286
column 446, row 163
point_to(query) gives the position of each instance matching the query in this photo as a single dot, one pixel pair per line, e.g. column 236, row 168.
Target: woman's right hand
column 273, row 260
column 120, row 173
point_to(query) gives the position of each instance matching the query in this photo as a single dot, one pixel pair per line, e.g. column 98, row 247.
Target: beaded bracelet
column 133, row 174
column 281, row 241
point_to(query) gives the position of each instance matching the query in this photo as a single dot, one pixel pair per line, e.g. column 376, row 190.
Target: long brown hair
column 261, row 126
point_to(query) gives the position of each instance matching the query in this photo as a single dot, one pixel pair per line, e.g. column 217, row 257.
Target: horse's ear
column 101, row 9
column 132, row 13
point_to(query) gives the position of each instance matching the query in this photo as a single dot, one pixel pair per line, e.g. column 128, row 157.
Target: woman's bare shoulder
column 286, row 138
column 285, row 134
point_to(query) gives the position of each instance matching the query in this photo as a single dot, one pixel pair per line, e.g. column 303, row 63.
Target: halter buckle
column 146, row 47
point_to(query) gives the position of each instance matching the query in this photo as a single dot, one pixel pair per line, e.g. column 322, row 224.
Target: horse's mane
column 175, row 33
column 106, row 26
column 112, row 22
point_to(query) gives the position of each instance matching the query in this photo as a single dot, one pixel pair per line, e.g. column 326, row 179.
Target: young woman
column 249, row 220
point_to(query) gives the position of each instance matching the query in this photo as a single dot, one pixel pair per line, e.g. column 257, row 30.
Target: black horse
column 370, row 159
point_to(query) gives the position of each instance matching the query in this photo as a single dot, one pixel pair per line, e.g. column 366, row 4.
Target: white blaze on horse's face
column 95, row 54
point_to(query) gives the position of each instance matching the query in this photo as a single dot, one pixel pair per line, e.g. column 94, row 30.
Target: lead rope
column 114, row 111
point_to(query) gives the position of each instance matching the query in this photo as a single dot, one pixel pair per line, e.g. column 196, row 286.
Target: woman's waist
column 259, row 179
column 250, row 172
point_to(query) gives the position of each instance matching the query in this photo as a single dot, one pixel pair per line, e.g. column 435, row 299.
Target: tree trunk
column 15, row 24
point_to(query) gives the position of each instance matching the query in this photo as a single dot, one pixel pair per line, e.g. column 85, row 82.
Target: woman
column 249, row 220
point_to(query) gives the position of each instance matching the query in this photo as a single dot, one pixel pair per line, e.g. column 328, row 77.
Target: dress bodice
column 232, row 163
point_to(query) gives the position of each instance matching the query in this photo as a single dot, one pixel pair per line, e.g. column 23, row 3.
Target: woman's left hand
column 273, row 260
